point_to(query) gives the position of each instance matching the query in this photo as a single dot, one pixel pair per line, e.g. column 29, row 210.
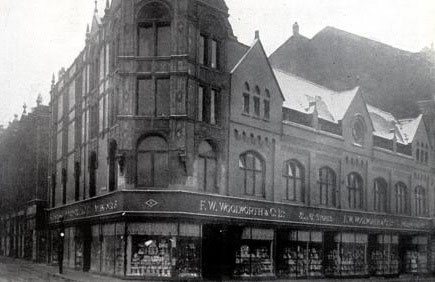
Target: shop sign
column 227, row 208
column 99, row 207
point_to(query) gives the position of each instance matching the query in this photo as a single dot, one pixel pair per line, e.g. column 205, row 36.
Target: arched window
column 152, row 162
column 92, row 174
column 112, row 166
column 294, row 175
column 154, row 30
column 401, row 198
column 253, row 171
column 420, row 201
column 355, row 190
column 207, row 168
column 257, row 101
column 327, row 186
column 246, row 98
column 380, row 195
column 266, row 106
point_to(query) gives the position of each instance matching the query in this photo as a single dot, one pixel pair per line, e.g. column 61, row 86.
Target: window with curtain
column 401, row 198
column 152, row 162
column 253, row 173
column 420, row 201
column 327, row 187
column 355, row 190
column 380, row 187
column 154, row 31
column 207, row 168
column 294, row 177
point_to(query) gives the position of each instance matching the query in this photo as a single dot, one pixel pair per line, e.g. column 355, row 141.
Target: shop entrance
column 218, row 251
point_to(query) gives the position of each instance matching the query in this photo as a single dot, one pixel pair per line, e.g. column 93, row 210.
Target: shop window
column 254, row 254
column 300, row 254
column 355, row 191
column 96, row 249
column 253, row 172
column 207, row 168
column 327, row 186
column 153, row 97
column 401, row 198
column 346, row 255
column 208, row 105
column 92, row 174
column 415, row 254
column 294, row 176
column 154, row 30
column 152, row 162
column 158, row 250
column 112, row 166
column 420, row 201
column 380, row 195
column 384, row 255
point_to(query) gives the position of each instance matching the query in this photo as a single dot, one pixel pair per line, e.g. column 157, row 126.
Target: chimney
column 257, row 34
column 295, row 29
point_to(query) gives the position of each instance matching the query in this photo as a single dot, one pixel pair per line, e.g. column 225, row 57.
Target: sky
column 41, row 36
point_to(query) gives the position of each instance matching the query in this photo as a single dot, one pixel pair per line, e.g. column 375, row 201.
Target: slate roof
column 409, row 128
column 301, row 95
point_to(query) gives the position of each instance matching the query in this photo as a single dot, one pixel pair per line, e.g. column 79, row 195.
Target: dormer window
column 154, row 31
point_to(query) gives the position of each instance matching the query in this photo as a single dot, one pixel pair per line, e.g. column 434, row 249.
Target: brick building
column 178, row 152
column 23, row 184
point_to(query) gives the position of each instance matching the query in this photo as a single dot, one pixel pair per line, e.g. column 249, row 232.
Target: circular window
column 358, row 130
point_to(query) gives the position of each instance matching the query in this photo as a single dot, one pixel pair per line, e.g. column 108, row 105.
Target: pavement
column 17, row 270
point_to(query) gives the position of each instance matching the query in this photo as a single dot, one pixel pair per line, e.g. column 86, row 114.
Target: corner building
column 179, row 153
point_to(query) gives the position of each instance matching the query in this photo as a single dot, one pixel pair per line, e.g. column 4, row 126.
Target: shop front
column 182, row 235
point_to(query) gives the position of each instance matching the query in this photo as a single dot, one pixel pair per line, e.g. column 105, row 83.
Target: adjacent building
column 24, row 146
column 178, row 152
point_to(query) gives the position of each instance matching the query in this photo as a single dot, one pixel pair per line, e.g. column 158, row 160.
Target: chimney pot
column 296, row 28
column 257, row 34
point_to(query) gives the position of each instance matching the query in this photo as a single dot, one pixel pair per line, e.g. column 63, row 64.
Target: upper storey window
column 154, row 31
column 355, row 191
column 208, row 53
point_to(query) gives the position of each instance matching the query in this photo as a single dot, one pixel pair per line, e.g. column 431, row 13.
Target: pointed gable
column 253, row 79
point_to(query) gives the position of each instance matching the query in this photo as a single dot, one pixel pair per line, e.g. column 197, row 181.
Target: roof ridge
column 303, row 79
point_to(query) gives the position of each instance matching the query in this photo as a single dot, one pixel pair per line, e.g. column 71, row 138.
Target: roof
column 302, row 96
column 385, row 125
column 409, row 127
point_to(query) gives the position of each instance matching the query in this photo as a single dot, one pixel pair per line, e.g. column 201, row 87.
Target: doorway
column 87, row 241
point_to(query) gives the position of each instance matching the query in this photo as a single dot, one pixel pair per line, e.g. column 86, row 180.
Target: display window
column 108, row 248
column 415, row 255
column 346, row 255
column 254, row 255
column 78, row 238
column 119, row 248
column 384, row 255
column 300, row 254
column 158, row 250
column 96, row 249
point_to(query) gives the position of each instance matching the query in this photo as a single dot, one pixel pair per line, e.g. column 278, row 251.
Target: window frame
column 354, row 190
column 420, row 201
column 255, row 172
column 291, row 181
column 329, row 183
column 208, row 157
column 401, row 196
column 380, row 186
column 153, row 154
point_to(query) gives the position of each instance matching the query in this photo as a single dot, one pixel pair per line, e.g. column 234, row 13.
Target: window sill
column 209, row 68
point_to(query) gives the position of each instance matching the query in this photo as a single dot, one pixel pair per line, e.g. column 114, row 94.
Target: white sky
column 41, row 36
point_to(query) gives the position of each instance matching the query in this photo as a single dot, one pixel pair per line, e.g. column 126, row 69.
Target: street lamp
column 60, row 245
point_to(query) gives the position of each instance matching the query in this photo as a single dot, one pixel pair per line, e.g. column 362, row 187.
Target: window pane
column 259, row 185
column 202, row 50
column 246, row 103
column 298, row 187
column 266, row 109
column 144, row 168
column 249, row 188
column 200, row 103
column 145, row 98
column 211, row 175
column 146, row 41
column 206, row 107
column 161, row 169
column 163, row 97
column 214, row 54
column 257, row 106
column 164, row 40
column 201, row 173
column 212, row 107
